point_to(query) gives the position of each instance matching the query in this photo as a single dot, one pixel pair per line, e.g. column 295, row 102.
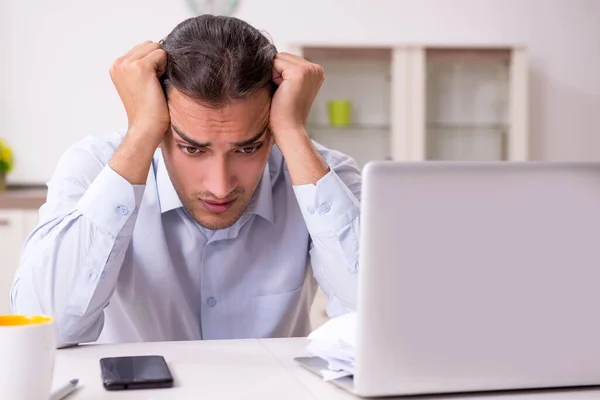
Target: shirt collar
column 167, row 196
column 262, row 200
column 261, row 203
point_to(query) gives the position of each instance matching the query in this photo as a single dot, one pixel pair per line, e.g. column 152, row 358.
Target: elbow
column 337, row 307
column 21, row 302
column 70, row 329
column 13, row 298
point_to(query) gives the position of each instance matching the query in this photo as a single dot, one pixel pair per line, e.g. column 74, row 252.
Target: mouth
column 217, row 207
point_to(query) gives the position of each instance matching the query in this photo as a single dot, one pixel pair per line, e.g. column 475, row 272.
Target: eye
column 190, row 150
column 250, row 149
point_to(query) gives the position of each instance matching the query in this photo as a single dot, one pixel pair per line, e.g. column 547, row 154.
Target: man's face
column 216, row 157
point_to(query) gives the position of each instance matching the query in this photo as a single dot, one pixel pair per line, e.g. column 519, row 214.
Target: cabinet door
column 11, row 239
column 460, row 103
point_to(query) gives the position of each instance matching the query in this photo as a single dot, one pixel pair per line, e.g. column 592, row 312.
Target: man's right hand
column 135, row 76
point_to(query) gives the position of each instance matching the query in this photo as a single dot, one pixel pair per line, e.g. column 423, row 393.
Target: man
column 210, row 215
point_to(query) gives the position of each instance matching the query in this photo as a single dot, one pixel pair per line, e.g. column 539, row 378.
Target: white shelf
column 467, row 126
column 350, row 128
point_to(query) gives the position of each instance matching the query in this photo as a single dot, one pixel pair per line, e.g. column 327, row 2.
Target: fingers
column 278, row 79
column 290, row 57
column 138, row 52
column 286, row 60
column 136, row 48
column 288, row 66
column 142, row 50
column 283, row 64
column 158, row 60
column 145, row 56
column 279, row 66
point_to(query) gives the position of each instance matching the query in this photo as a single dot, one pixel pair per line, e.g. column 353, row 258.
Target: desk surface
column 234, row 369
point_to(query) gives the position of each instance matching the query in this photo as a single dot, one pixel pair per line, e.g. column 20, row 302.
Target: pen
column 65, row 390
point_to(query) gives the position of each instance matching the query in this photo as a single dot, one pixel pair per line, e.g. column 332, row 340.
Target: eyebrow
column 243, row 143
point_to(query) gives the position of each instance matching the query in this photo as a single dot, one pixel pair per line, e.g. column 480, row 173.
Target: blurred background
column 412, row 79
column 405, row 79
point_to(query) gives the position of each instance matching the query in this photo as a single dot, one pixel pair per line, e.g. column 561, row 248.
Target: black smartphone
column 135, row 372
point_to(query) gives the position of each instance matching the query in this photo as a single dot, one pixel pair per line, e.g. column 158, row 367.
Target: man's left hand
column 299, row 82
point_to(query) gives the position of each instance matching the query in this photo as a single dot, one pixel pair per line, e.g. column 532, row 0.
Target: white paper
column 329, row 375
column 335, row 342
column 342, row 328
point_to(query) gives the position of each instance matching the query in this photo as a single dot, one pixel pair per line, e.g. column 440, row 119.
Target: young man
column 210, row 215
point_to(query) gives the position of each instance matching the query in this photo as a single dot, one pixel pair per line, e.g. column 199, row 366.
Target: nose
column 219, row 179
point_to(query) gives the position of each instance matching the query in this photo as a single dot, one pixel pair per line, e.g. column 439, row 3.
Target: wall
column 55, row 88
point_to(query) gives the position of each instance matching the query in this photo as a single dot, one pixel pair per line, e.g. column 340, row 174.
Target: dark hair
column 216, row 59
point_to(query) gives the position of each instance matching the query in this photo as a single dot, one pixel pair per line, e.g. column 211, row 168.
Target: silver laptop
column 477, row 277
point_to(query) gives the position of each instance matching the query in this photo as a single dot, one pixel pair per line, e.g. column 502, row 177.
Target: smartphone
column 135, row 372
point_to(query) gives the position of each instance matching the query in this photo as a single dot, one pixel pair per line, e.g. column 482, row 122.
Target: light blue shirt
column 116, row 262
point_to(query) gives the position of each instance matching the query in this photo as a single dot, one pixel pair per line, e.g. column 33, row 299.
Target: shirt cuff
column 328, row 206
column 111, row 203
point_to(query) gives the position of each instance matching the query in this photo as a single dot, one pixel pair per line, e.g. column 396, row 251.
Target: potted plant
column 6, row 163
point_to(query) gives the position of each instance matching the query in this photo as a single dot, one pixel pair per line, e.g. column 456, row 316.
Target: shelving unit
column 419, row 103
column 363, row 76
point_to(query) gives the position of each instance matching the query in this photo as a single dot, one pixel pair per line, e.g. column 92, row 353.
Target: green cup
column 340, row 112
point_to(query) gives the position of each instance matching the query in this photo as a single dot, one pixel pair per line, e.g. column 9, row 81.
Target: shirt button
column 123, row 210
column 211, row 302
column 91, row 275
column 310, row 210
column 325, row 208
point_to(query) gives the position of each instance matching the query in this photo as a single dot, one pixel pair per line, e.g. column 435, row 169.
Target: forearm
column 62, row 275
column 70, row 263
column 331, row 211
column 334, row 261
column 305, row 163
column 133, row 158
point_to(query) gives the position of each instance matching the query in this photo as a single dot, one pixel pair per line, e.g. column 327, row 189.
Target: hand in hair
column 135, row 76
column 298, row 83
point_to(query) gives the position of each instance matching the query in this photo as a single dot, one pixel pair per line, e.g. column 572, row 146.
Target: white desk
column 236, row 369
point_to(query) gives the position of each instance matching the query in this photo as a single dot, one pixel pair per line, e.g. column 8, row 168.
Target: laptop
column 477, row 277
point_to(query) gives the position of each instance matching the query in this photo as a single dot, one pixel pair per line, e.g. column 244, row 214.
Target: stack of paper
column 335, row 342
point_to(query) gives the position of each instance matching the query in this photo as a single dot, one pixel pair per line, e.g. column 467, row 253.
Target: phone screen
column 135, row 372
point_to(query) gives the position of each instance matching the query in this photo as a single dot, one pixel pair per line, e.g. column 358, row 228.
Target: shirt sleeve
column 331, row 211
column 70, row 262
